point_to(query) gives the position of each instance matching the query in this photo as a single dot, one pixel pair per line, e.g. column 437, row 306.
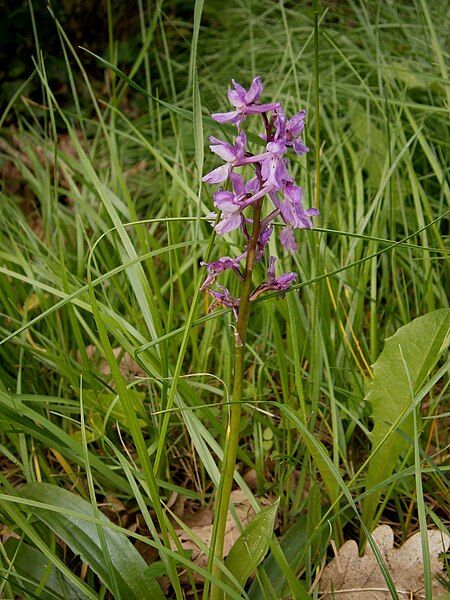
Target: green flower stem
column 234, row 414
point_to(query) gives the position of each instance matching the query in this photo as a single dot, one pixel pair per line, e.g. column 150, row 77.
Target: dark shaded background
column 86, row 24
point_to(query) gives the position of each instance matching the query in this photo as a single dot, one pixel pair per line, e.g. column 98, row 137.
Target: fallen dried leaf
column 349, row 577
column 128, row 366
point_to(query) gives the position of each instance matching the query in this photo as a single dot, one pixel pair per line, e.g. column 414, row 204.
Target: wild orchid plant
column 242, row 208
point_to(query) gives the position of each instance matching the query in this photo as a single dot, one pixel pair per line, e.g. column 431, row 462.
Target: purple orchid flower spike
column 270, row 179
column 279, row 284
column 244, row 103
column 231, row 154
column 242, row 207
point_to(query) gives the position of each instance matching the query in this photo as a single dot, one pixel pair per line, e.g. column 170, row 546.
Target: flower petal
column 287, row 239
column 254, row 109
column 236, row 99
column 300, row 147
column 255, row 91
column 233, row 116
column 224, row 150
column 229, row 223
column 225, row 201
column 296, row 124
column 237, row 181
column 217, row 175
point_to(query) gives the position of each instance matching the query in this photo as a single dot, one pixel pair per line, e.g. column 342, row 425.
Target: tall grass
column 100, row 248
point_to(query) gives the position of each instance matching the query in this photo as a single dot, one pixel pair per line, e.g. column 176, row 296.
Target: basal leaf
column 411, row 352
column 293, row 546
column 32, row 573
column 130, row 571
column 251, row 546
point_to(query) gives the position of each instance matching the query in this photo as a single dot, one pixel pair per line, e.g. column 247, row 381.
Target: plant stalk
column 234, row 413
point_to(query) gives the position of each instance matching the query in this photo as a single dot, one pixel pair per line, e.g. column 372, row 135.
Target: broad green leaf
column 251, row 546
column 293, row 545
column 411, row 352
column 130, row 571
column 32, row 572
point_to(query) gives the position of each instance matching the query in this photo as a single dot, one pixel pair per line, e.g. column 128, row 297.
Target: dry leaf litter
column 350, row 577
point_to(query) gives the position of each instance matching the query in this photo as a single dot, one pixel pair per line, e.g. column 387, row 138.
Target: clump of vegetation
column 115, row 377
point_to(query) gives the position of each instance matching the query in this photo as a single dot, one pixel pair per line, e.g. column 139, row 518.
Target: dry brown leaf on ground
column 349, row 577
column 200, row 524
column 127, row 365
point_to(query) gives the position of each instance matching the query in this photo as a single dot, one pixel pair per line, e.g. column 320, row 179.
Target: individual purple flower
column 263, row 240
column 225, row 299
column 215, row 268
column 279, row 284
column 231, row 154
column 289, row 130
column 245, row 103
column 231, row 204
column 273, row 166
column 292, row 209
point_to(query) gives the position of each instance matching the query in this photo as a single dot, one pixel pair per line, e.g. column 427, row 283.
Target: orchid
column 215, row 268
column 241, row 208
column 279, row 284
column 244, row 102
column 231, row 154
column 270, row 179
column 289, row 130
column 225, row 299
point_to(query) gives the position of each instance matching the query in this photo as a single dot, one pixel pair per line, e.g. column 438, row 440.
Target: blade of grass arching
column 73, row 296
column 95, row 511
column 17, row 94
column 145, row 512
column 137, row 277
column 436, row 47
column 419, row 489
column 136, row 432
